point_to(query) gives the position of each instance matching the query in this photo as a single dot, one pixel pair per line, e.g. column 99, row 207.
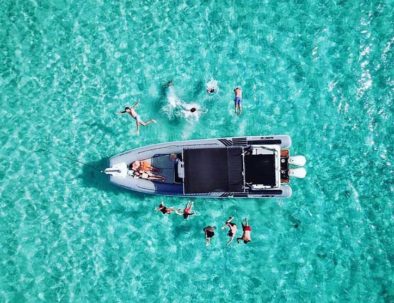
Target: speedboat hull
column 213, row 168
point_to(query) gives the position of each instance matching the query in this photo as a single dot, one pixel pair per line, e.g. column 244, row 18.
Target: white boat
column 247, row 167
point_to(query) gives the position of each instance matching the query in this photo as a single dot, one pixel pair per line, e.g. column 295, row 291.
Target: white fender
column 118, row 170
column 299, row 172
column 297, row 160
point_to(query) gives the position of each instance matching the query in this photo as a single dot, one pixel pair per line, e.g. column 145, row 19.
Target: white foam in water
column 172, row 98
column 175, row 108
column 187, row 113
column 356, row 196
column 172, row 103
column 212, row 85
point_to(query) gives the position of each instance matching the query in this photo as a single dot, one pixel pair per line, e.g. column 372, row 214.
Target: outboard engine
column 297, row 160
column 299, row 172
column 118, row 170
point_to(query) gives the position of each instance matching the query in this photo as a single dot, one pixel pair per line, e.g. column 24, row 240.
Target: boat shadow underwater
column 93, row 176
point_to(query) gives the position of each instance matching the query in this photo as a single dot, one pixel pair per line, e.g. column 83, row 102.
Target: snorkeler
column 164, row 209
column 187, row 211
column 132, row 112
column 209, row 233
column 247, row 230
column 232, row 229
column 238, row 100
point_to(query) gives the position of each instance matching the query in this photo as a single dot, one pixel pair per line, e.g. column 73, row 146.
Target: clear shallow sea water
column 320, row 71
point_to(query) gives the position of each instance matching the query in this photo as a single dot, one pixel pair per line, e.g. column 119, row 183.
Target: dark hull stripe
column 265, row 142
column 240, row 141
column 226, row 142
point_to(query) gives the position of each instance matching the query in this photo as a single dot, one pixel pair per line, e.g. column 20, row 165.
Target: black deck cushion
column 260, row 169
column 213, row 170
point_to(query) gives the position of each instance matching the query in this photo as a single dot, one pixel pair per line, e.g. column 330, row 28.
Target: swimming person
column 247, row 230
column 164, row 209
column 238, row 100
column 212, row 87
column 132, row 112
column 187, row 211
column 209, row 233
column 191, row 110
column 176, row 108
column 232, row 229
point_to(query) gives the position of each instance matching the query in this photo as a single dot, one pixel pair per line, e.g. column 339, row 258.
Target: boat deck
column 166, row 165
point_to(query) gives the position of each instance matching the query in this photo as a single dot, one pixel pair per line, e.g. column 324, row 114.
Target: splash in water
column 173, row 102
column 212, row 87
column 175, row 108
column 191, row 110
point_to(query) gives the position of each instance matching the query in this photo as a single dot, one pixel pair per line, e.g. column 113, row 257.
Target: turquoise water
column 320, row 71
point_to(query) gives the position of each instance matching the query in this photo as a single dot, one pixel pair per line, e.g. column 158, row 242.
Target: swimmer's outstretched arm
column 135, row 104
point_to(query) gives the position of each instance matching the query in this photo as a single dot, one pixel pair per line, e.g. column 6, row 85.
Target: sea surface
column 319, row 71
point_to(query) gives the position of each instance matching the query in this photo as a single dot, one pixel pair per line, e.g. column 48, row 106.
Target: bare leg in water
column 140, row 122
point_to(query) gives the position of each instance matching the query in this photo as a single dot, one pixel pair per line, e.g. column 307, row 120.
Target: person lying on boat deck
column 132, row 112
column 232, row 229
column 144, row 166
column 164, row 209
column 247, row 230
column 146, row 175
column 209, row 233
column 187, row 210
column 150, row 176
column 238, row 100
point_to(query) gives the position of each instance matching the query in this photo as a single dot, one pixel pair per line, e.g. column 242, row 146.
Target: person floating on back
column 164, row 209
column 132, row 112
column 246, row 234
column 232, row 229
column 238, row 100
column 209, row 233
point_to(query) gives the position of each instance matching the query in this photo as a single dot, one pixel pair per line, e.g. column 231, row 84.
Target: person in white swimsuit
column 132, row 112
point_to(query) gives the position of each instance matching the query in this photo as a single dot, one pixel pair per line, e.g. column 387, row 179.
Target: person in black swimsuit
column 164, row 209
column 209, row 233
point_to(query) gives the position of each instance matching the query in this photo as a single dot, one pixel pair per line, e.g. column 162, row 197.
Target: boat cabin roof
column 230, row 169
column 213, row 170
